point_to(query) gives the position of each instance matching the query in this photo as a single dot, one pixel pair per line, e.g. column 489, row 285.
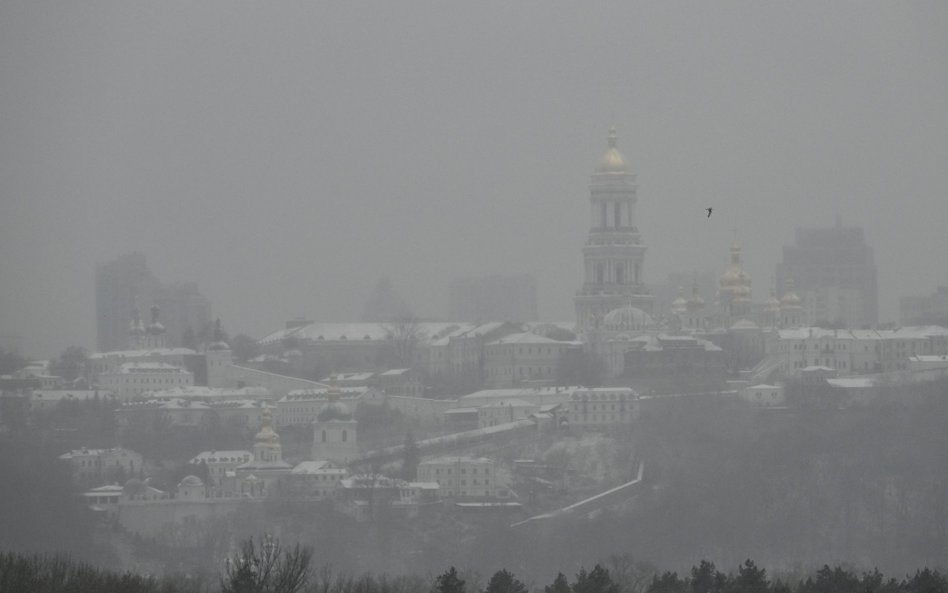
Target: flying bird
column 709, row 211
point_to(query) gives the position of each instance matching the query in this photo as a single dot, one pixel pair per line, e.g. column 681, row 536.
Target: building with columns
column 613, row 254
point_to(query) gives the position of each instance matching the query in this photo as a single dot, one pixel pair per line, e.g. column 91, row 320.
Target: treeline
column 265, row 566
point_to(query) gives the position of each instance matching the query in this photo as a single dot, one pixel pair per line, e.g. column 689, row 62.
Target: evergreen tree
column 559, row 585
column 749, row 579
column 705, row 578
column 595, row 581
column 503, row 581
column 926, row 581
column 449, row 582
column 667, row 583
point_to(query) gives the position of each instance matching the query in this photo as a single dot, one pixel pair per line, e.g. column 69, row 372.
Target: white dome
column 192, row 481
column 627, row 318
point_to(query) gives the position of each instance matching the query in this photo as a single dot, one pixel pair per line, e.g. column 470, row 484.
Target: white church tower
column 334, row 431
column 613, row 255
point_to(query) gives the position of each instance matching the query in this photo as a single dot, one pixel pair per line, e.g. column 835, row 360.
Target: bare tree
column 404, row 336
column 267, row 568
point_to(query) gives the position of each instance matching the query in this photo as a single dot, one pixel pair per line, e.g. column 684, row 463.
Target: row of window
column 462, row 471
column 473, row 483
column 598, row 407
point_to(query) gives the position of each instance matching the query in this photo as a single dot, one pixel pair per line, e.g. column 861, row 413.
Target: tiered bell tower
column 614, row 253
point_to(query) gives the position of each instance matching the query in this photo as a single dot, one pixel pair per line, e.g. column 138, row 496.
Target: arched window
column 344, row 435
column 617, row 211
column 604, row 211
column 638, row 272
column 600, row 273
column 324, row 436
column 620, row 273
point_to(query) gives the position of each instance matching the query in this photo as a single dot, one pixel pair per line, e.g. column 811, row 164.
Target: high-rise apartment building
column 493, row 298
column 834, row 273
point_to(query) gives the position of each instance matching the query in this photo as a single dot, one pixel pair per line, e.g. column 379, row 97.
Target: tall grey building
column 834, row 273
column 126, row 283
column 493, row 298
column 923, row 310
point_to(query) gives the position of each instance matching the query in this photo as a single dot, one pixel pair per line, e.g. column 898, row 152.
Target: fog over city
column 485, row 297
column 286, row 157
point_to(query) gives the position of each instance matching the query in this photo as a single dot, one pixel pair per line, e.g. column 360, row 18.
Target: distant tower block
column 614, row 254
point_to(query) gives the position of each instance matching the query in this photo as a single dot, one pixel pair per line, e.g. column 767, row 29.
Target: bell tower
column 614, row 254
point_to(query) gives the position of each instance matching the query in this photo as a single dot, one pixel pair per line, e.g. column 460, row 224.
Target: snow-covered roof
column 350, row 377
column 447, row 459
column 424, row 485
column 915, row 332
column 61, row 394
column 505, row 403
column 201, row 392
column 763, row 386
column 318, row 467
column 145, row 353
column 107, row 489
column 454, row 411
column 852, row 382
column 517, row 392
column 149, row 367
column 323, row 393
column 530, row 338
column 229, row 456
column 426, row 330
column 96, row 452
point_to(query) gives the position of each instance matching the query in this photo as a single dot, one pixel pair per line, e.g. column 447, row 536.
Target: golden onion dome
column 612, row 161
column 267, row 434
column 679, row 304
column 790, row 300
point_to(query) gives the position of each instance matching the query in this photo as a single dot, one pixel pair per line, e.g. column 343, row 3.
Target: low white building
column 131, row 380
column 763, row 395
column 366, row 496
column 99, row 465
column 462, row 477
column 523, row 357
column 539, row 396
column 316, row 479
column 928, row 367
column 853, row 352
column 602, row 407
column 47, row 399
column 503, row 411
column 100, row 363
column 219, row 463
column 228, row 415
column 210, row 394
column 302, row 406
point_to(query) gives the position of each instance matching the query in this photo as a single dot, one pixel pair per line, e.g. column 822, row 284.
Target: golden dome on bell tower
column 612, row 161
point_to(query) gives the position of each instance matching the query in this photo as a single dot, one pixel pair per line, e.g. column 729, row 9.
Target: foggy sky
column 287, row 155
